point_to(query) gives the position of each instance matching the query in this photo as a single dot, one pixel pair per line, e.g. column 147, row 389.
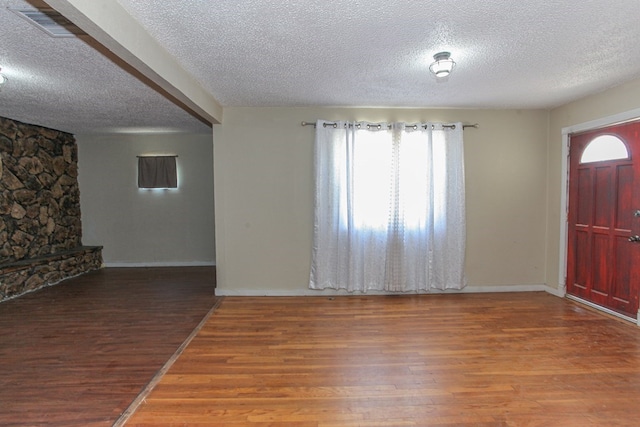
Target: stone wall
column 39, row 195
column 34, row 273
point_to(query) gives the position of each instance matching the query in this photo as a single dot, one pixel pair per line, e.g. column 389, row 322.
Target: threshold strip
column 131, row 409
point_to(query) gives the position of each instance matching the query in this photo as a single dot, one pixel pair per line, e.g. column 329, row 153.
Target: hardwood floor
column 78, row 353
column 527, row 359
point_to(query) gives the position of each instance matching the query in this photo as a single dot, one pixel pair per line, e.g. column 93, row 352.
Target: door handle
column 634, row 239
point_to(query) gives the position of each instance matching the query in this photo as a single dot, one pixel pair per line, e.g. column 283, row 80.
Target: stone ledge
column 27, row 275
column 45, row 259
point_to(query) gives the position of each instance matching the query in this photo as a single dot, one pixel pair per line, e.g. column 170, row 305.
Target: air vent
column 50, row 21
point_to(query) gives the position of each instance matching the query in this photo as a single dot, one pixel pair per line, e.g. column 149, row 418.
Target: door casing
column 564, row 195
column 602, row 197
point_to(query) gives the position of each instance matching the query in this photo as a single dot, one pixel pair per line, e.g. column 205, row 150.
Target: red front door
column 603, row 262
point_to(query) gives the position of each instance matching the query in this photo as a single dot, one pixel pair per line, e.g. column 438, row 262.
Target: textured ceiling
column 375, row 53
column 67, row 84
column 510, row 54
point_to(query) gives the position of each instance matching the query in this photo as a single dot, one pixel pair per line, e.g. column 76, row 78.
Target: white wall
column 143, row 227
column 264, row 197
column 263, row 177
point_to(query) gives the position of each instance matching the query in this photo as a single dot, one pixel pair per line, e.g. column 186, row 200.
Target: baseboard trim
column 560, row 293
column 160, row 264
column 332, row 292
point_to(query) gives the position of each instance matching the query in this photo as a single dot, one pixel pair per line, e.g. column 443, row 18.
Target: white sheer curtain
column 389, row 207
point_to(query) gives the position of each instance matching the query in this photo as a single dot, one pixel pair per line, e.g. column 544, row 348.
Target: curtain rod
column 158, row 155
column 475, row 125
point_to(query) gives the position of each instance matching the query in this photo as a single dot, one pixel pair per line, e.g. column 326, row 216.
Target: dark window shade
column 157, row 172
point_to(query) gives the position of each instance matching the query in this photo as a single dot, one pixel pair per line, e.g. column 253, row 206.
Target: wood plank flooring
column 526, row 359
column 78, row 353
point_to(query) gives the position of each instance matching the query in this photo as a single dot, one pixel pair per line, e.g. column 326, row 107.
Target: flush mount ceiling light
column 3, row 79
column 442, row 64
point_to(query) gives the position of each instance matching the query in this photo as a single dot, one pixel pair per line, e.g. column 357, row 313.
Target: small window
column 604, row 147
column 157, row 172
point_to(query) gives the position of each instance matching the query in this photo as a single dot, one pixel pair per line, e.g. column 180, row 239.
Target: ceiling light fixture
column 3, row 79
column 442, row 64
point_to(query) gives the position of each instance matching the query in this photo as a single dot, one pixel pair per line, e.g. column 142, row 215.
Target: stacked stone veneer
column 40, row 227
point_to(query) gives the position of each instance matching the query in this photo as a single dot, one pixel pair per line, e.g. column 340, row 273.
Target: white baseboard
column 330, row 292
column 160, row 264
column 560, row 293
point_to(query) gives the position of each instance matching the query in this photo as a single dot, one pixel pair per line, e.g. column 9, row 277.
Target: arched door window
column 604, row 147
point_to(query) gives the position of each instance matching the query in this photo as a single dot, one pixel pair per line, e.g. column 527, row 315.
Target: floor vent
column 50, row 21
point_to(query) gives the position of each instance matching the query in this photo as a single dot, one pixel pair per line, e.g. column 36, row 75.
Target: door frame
column 564, row 200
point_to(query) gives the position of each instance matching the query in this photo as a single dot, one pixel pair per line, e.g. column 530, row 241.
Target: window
column 382, row 168
column 389, row 207
column 604, row 147
column 157, row 172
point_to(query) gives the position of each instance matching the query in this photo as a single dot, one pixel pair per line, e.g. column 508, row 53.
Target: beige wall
column 143, row 227
column 613, row 102
column 264, row 212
